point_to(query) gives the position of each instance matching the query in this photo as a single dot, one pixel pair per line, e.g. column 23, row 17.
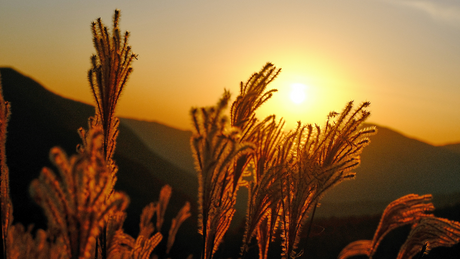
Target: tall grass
column 85, row 214
column 6, row 206
column 291, row 172
column 285, row 172
column 427, row 231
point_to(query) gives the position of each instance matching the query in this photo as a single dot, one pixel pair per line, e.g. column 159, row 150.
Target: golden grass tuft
column 431, row 232
column 215, row 147
column 291, row 170
column 6, row 206
column 427, row 230
column 286, row 174
column 75, row 202
column 111, row 68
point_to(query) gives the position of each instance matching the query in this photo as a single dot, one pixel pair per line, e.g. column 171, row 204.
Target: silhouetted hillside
column 170, row 143
column 150, row 154
column 393, row 165
column 453, row 147
column 41, row 120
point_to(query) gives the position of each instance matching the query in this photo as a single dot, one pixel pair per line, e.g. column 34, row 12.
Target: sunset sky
column 401, row 55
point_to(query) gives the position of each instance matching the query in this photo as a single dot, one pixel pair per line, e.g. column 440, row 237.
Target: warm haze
column 402, row 56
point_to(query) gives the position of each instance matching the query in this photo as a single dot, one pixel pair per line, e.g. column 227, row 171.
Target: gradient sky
column 402, row 56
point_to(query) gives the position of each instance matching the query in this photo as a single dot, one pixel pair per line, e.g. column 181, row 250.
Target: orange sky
column 401, row 55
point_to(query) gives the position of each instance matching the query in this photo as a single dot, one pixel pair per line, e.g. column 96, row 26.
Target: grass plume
column 427, row 230
column 431, row 232
column 75, row 202
column 264, row 189
column 318, row 160
column 111, row 68
column 215, row 146
column 286, row 174
column 6, row 206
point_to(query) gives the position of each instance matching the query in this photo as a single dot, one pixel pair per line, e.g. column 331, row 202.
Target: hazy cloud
column 447, row 11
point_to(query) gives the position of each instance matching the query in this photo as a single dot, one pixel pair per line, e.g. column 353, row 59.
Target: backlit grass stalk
column 111, row 68
column 407, row 210
column 6, row 206
column 215, row 147
column 265, row 135
column 431, row 232
column 264, row 194
column 253, row 94
column 320, row 159
column 427, row 231
column 74, row 201
column 162, row 204
column 182, row 215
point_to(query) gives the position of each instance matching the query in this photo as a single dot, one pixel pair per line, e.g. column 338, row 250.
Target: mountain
column 393, row 165
column 41, row 120
column 170, row 143
column 453, row 147
column 151, row 154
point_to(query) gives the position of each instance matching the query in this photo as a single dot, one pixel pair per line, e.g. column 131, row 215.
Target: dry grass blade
column 265, row 135
column 124, row 246
column 159, row 208
column 114, row 224
column 360, row 247
column 111, row 67
column 265, row 232
column 146, row 227
column 263, row 201
column 121, row 245
column 74, row 203
column 252, row 95
column 182, row 215
column 165, row 195
column 432, row 231
column 409, row 209
column 318, row 160
column 6, row 206
column 144, row 246
column 22, row 244
column 215, row 148
column 264, row 190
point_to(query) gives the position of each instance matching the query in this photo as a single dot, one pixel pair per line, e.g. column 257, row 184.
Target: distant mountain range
column 41, row 119
column 393, row 165
column 150, row 154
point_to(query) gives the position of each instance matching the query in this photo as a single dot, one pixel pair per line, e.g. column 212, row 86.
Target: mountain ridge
column 401, row 164
column 41, row 120
column 387, row 172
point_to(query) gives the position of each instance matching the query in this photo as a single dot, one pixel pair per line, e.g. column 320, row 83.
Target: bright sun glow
column 298, row 93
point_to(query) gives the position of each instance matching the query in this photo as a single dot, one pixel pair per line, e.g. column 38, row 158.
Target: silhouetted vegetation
column 286, row 174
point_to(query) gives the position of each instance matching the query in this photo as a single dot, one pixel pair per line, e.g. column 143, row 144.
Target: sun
column 298, row 93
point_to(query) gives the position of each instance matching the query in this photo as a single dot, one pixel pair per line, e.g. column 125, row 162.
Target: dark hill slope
column 41, row 120
column 392, row 165
column 170, row 143
column 453, row 147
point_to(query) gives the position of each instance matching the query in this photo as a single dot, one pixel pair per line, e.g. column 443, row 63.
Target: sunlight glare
column 298, row 93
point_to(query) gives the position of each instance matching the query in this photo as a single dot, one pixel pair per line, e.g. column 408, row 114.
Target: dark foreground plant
column 427, row 231
column 6, row 207
column 286, row 174
column 291, row 171
column 75, row 202
column 79, row 202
